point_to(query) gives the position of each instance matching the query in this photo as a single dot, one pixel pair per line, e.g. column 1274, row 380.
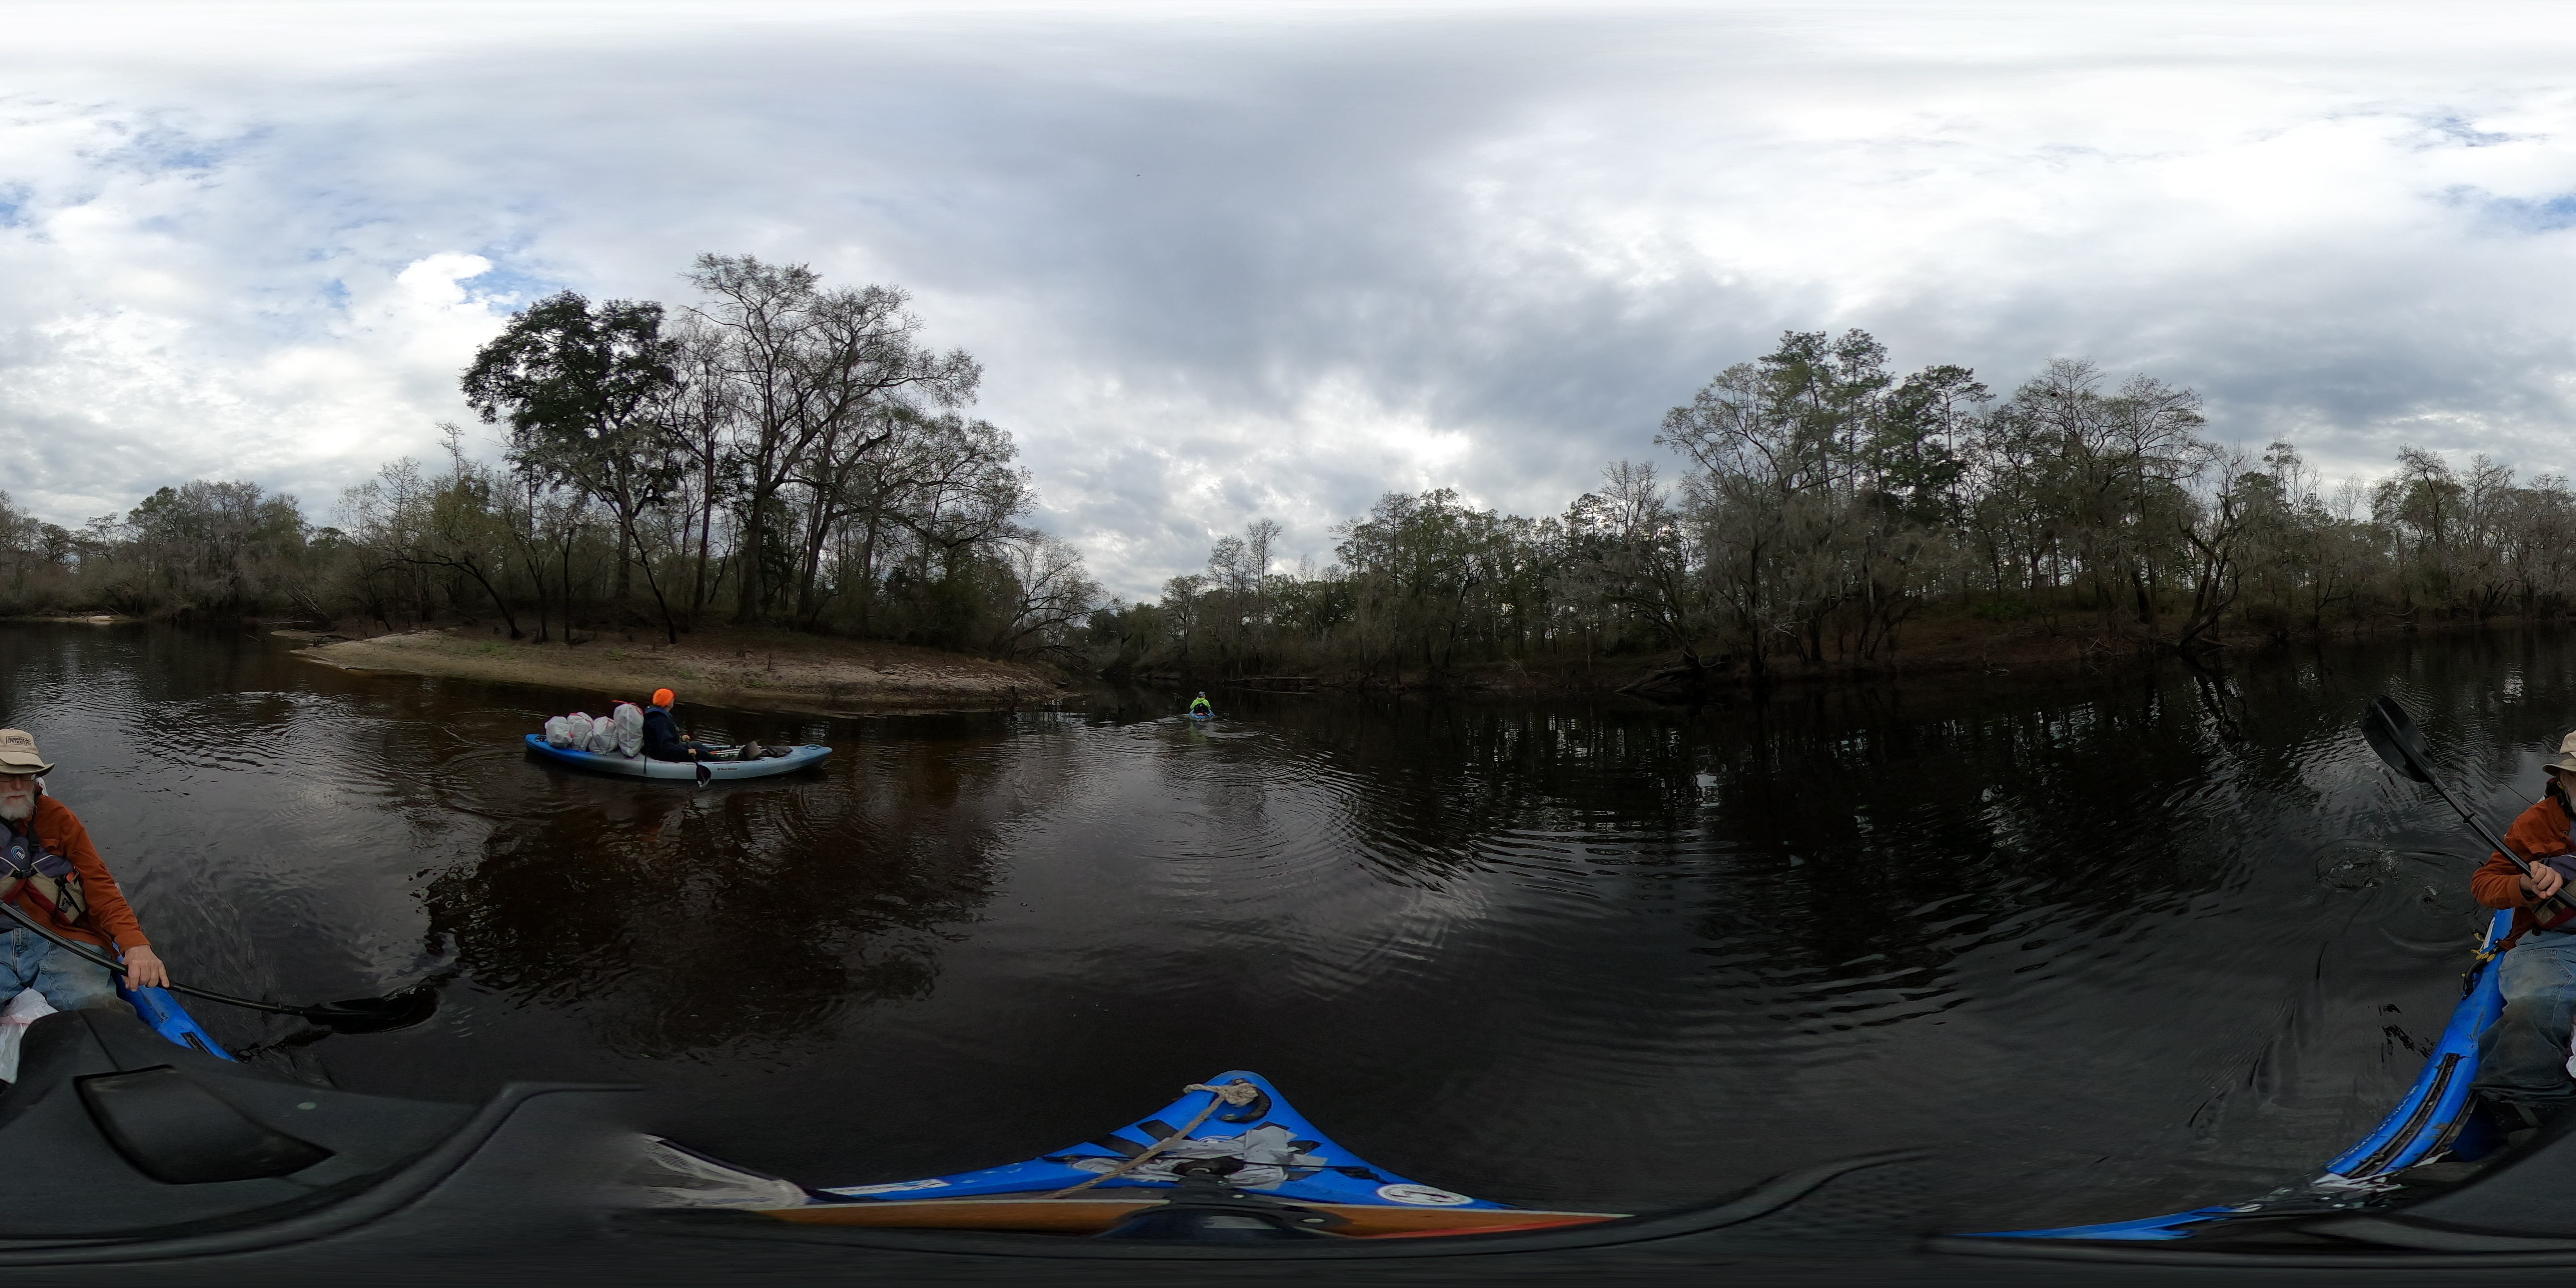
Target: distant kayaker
column 662, row 739
column 2522, row 1059
column 1199, row 709
column 50, row 872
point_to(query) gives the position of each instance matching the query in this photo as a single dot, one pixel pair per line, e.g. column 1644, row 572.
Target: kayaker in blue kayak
column 1199, row 709
column 50, row 872
column 2522, row 1059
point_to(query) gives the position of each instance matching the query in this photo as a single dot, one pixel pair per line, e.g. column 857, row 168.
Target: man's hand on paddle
column 143, row 968
column 2542, row 881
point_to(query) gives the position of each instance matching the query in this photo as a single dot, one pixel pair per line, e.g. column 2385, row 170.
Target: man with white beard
column 52, row 875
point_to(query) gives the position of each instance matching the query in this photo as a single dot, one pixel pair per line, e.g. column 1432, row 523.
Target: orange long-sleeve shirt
column 58, row 829
column 2541, row 831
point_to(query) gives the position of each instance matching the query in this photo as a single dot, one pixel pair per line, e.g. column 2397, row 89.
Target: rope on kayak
column 1233, row 1093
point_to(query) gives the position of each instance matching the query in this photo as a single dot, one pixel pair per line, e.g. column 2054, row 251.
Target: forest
column 785, row 454
column 1826, row 511
column 776, row 453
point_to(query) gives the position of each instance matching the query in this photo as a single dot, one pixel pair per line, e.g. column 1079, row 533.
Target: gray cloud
column 1230, row 261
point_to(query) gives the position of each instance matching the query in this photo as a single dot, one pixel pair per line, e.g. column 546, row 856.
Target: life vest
column 2565, row 865
column 2558, row 922
column 51, row 884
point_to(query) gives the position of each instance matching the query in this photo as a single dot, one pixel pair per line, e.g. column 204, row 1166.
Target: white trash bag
column 630, row 730
column 26, row 1008
column 603, row 736
column 559, row 731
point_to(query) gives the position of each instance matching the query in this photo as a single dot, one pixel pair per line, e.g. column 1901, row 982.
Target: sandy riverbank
column 764, row 671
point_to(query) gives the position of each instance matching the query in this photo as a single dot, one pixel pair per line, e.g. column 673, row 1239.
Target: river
column 2109, row 945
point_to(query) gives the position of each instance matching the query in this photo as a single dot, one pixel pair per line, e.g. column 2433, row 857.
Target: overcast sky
column 1231, row 260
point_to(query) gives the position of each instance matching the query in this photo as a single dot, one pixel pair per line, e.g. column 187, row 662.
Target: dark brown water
column 2114, row 946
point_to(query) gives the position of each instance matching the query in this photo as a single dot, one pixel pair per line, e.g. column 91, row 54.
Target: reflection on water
column 2111, row 945
column 690, row 922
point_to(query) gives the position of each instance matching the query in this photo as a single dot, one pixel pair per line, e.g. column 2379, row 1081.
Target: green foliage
column 223, row 549
column 1828, row 503
column 789, row 453
column 781, row 445
column 582, row 390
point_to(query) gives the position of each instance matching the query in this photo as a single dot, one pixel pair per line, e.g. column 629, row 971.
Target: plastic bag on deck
column 26, row 1008
column 603, row 736
column 630, row 729
column 559, row 731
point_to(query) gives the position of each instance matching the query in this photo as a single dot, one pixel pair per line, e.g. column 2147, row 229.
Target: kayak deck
column 1263, row 1148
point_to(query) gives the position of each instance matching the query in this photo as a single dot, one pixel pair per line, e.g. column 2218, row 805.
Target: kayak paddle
column 2392, row 733
column 355, row 1015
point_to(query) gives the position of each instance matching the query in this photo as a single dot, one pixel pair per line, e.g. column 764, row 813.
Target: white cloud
column 1224, row 261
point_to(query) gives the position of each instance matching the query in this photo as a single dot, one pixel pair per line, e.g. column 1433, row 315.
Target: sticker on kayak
column 1421, row 1196
column 890, row 1187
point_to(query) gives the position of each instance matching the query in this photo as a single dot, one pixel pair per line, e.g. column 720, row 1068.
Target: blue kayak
column 1267, row 1157
column 701, row 771
column 2433, row 1120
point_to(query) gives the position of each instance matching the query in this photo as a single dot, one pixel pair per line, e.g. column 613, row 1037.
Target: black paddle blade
column 2391, row 733
column 2403, row 726
column 374, row 1014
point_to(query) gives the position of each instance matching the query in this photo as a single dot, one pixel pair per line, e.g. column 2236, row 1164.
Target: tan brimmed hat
column 18, row 753
column 2566, row 753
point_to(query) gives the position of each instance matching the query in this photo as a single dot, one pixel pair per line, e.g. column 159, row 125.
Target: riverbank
column 1954, row 649
column 752, row 670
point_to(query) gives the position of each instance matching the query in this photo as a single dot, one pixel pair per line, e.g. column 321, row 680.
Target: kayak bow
column 1274, row 1166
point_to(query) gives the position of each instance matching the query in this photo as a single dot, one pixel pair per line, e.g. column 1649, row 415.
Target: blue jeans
column 2522, row 1058
column 68, row 982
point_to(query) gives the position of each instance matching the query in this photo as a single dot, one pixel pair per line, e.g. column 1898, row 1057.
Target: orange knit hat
column 664, row 697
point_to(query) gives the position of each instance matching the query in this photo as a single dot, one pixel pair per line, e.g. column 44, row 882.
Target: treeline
column 1828, row 506
column 776, row 452
column 224, row 547
column 785, row 453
